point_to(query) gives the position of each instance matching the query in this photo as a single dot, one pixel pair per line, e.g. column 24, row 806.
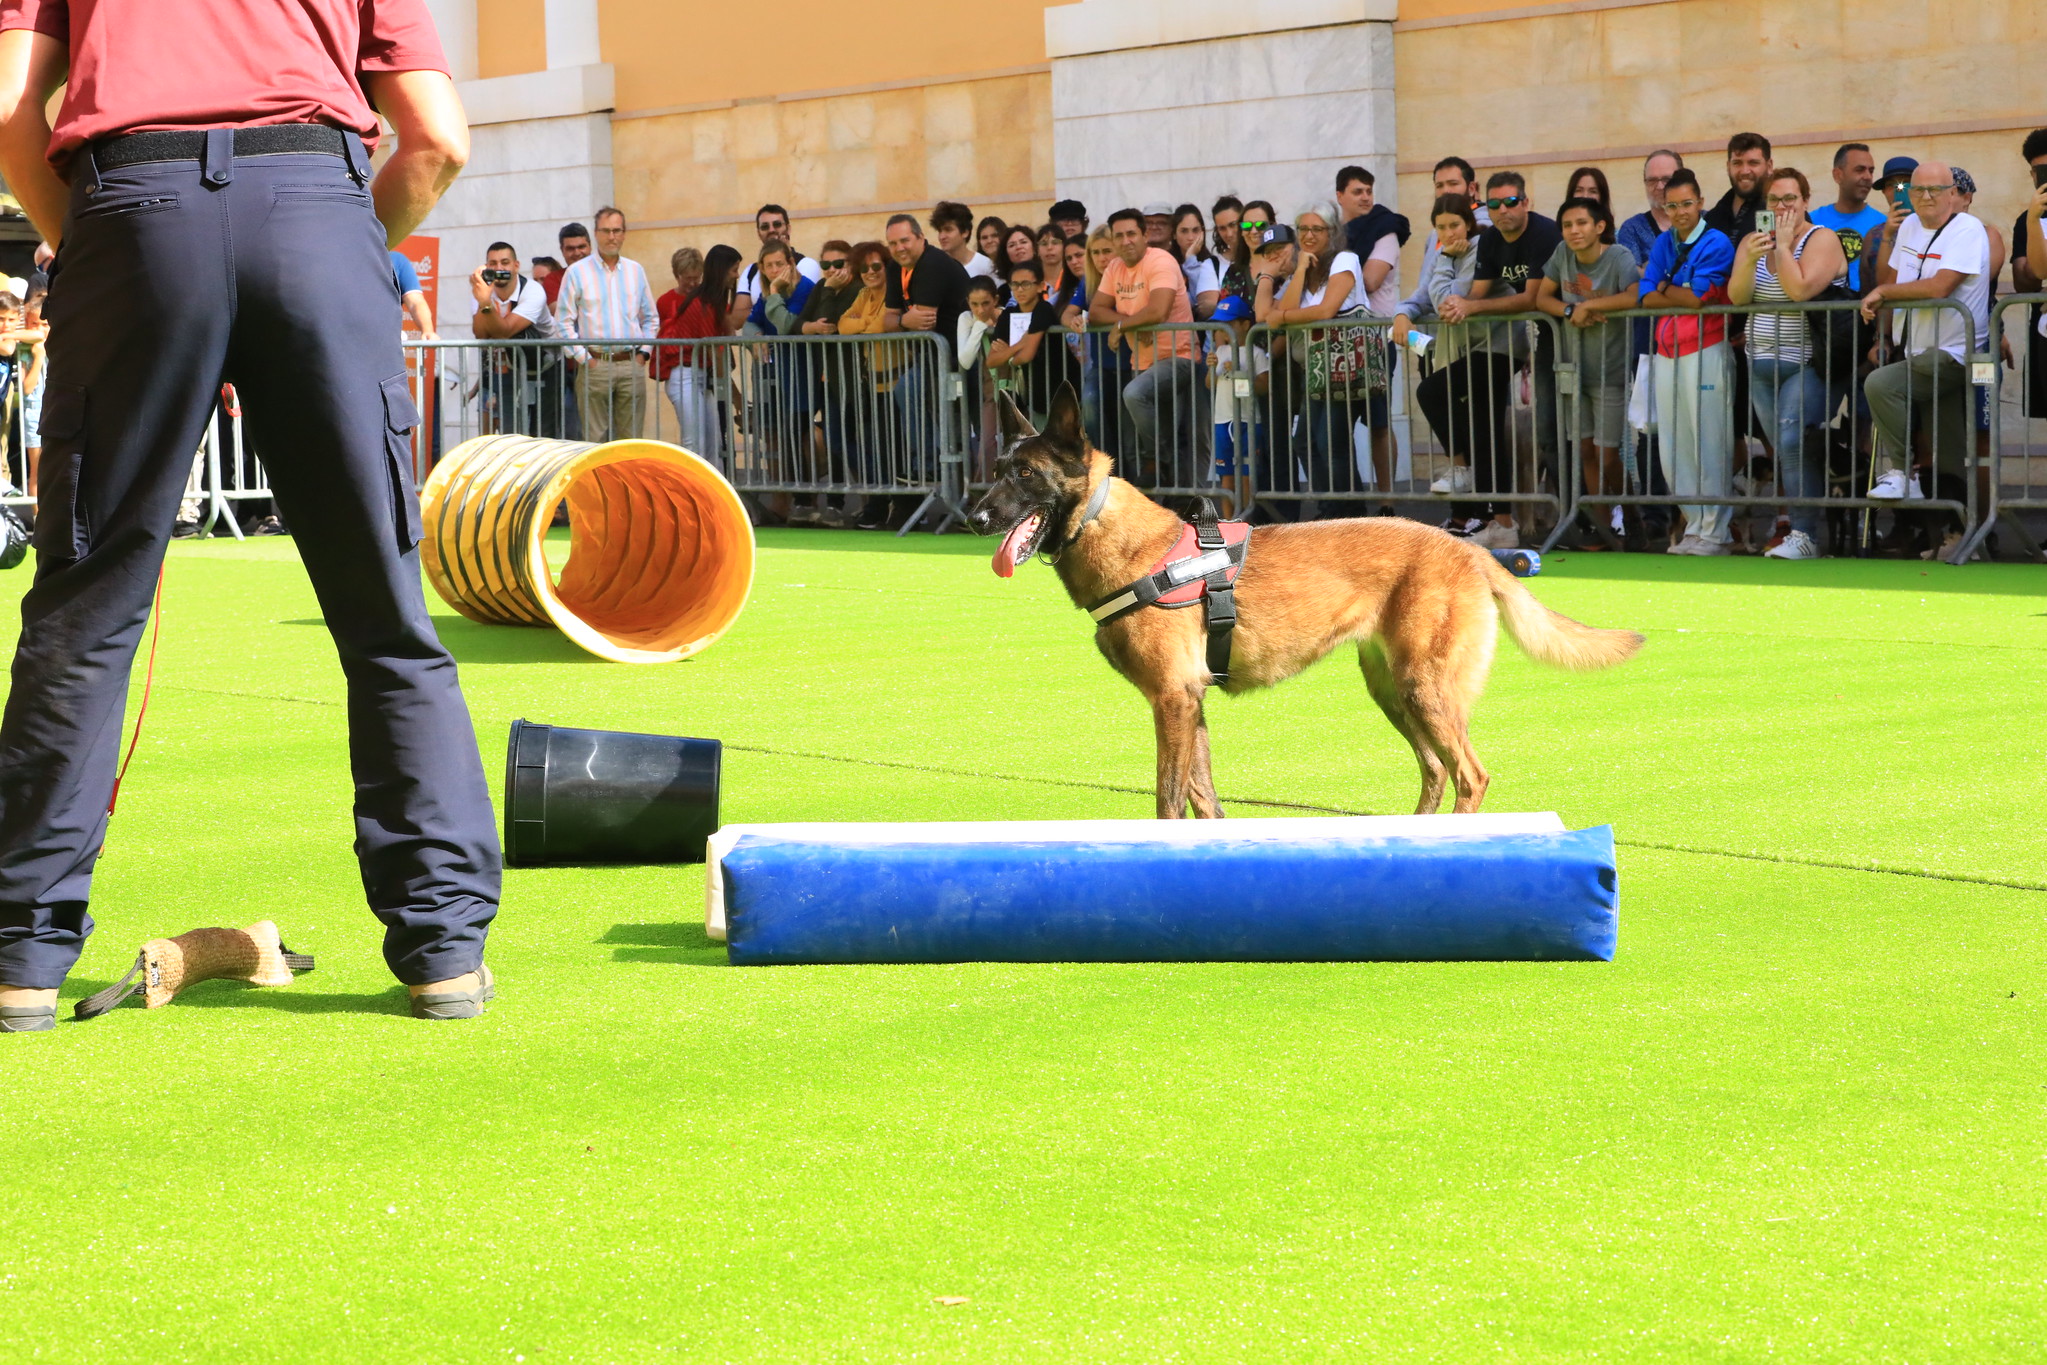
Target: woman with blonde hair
column 1107, row 367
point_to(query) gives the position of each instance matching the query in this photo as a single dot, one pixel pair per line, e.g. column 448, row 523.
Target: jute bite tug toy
column 166, row 966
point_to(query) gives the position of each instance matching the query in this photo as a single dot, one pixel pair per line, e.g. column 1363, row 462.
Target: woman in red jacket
column 690, row 314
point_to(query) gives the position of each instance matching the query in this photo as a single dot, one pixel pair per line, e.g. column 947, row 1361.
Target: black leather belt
column 190, row 145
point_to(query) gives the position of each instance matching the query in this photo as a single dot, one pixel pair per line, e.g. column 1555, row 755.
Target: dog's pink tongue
column 1005, row 556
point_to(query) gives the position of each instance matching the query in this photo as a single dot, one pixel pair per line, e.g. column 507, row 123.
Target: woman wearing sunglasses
column 870, row 402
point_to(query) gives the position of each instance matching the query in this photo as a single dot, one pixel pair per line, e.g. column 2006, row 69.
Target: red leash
column 148, row 681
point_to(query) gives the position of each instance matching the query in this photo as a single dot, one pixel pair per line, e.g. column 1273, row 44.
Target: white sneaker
column 1618, row 522
column 1494, row 536
column 1698, row 545
column 1892, row 485
column 1795, row 545
column 1914, row 489
column 1458, row 480
column 1461, row 528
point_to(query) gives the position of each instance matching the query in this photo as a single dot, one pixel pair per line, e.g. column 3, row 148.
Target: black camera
column 497, row 277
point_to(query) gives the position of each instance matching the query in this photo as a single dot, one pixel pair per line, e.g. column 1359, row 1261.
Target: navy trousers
column 269, row 271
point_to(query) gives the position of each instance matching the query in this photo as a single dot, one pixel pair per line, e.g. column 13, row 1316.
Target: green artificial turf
column 1802, row 1117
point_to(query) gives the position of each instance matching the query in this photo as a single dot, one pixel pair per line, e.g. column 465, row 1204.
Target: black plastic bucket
column 606, row 796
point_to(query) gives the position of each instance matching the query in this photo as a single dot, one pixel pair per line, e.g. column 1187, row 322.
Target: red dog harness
column 1201, row 567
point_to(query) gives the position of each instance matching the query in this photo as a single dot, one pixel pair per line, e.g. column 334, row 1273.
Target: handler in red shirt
column 215, row 147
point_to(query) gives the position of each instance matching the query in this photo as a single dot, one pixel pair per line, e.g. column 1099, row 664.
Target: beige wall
column 1602, row 85
column 511, row 37
column 840, row 162
column 670, row 54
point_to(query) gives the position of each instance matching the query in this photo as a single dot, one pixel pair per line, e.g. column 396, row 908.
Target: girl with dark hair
column 1589, row 182
column 1465, row 395
column 1064, row 290
column 698, row 317
column 1224, row 215
column 1190, row 248
column 988, row 237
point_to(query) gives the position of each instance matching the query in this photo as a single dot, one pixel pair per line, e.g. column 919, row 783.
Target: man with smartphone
column 525, row 381
column 1894, row 198
column 2028, row 269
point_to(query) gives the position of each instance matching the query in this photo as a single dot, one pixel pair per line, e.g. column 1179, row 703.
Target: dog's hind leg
column 1201, row 780
column 1386, row 691
column 1176, row 717
column 1440, row 697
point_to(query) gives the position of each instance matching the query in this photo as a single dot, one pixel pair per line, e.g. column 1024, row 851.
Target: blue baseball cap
column 1231, row 308
column 1897, row 166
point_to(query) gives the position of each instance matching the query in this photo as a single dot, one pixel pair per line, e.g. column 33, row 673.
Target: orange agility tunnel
column 660, row 556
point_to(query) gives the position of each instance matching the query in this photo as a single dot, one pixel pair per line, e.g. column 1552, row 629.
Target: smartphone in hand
column 1766, row 220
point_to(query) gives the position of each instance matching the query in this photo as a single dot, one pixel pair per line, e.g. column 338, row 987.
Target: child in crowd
column 1586, row 278
column 1239, row 375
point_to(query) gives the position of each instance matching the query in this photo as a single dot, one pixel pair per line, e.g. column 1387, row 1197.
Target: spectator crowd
column 1635, row 353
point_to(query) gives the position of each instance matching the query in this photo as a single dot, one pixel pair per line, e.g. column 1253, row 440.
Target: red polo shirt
column 146, row 65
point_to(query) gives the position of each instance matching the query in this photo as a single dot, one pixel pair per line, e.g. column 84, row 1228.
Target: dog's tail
column 1551, row 637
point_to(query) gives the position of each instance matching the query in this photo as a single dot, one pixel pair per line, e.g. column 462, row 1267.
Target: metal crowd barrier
column 1335, row 417
column 818, row 416
column 2018, row 426
column 1696, row 440
column 15, row 439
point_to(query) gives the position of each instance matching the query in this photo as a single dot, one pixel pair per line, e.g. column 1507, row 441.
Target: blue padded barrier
column 805, row 898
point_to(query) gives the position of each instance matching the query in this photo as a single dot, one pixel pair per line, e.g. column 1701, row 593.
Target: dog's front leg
column 1201, row 783
column 1176, row 716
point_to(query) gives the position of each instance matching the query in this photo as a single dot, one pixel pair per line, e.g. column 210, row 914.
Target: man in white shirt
column 952, row 226
column 605, row 297
column 770, row 224
column 525, row 381
column 1940, row 253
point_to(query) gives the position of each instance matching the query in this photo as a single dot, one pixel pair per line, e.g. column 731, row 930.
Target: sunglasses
column 839, row 264
column 1252, row 224
column 872, row 265
column 1507, row 202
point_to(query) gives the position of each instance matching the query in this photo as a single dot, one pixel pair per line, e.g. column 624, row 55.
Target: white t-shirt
column 1384, row 300
column 980, row 267
column 529, row 301
column 1345, row 262
column 1254, row 362
column 1201, row 277
column 1960, row 244
column 749, row 278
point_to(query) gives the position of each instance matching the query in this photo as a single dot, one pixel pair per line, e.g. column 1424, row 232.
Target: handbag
column 1839, row 336
column 1347, row 362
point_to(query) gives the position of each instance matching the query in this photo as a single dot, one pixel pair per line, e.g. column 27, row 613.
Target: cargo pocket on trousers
column 400, row 417
column 61, row 531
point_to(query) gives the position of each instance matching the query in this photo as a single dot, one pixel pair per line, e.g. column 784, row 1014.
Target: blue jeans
column 1791, row 400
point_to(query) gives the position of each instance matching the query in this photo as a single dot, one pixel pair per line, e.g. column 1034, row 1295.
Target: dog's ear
column 1010, row 420
column 1063, row 428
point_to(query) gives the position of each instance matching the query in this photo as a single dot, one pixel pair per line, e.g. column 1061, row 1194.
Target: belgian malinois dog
column 1420, row 605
